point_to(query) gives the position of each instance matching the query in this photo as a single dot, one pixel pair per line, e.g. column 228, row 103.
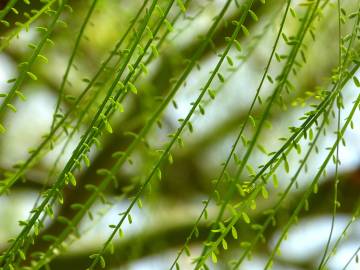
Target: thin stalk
column 166, row 151
column 351, row 258
column 25, row 25
column 25, row 67
column 234, row 145
column 343, row 234
column 73, row 160
column 314, row 182
column 283, row 77
column 71, row 59
column 7, row 8
column 50, row 137
column 284, row 194
column 336, row 180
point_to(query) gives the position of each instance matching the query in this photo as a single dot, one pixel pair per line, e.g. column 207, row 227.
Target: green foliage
column 131, row 149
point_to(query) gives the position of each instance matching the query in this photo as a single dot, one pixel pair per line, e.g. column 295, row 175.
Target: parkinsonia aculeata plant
column 137, row 89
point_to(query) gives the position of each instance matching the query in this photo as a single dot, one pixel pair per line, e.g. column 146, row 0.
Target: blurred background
column 169, row 211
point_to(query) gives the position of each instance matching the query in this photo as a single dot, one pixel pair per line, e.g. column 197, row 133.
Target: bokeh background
column 159, row 229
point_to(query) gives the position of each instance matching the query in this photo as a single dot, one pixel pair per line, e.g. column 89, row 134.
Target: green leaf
column 191, row 128
column 49, row 211
column 196, row 232
column 244, row 140
column 262, row 149
column 245, row 244
column 286, row 164
column 187, row 250
column 224, row 244
column 245, row 217
column 43, row 58
column 159, row 174
column 253, row 15
column 252, row 121
column 144, row 68
column 181, row 5
column 108, row 126
column 221, row 78
column 292, row 11
column 264, row 192
column 170, row 158
column 86, row 160
column 201, row 108
column 72, row 179
column 316, row 188
column 234, row 232
column 36, row 229
column 11, row 107
column 356, row 81
column 213, row 257
column 111, row 248
column 132, row 88
column 275, row 181
column 139, row 203
column 311, row 134
column 120, row 107
column 102, row 261
column 93, row 256
column 168, row 25
column 148, row 30
column 230, row 61
column 245, row 30
column 31, row 75
column 253, row 204
column 2, row 129
column 250, row 169
column 211, row 93
column 154, row 50
column 15, row 10
column 270, row 79
column 20, row 95
column 5, row 23
column 22, row 254
column 237, row 45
